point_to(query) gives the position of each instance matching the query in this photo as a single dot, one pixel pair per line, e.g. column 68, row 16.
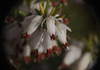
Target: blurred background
column 84, row 21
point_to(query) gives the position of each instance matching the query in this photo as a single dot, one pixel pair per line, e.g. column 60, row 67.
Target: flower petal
column 34, row 25
column 27, row 21
column 49, row 10
column 36, row 38
column 51, row 25
column 41, row 49
column 61, row 25
column 84, row 62
column 27, row 50
column 61, row 33
column 73, row 55
column 47, row 41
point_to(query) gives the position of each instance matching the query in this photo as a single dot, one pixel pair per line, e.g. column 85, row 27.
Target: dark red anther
column 27, row 59
column 25, row 35
column 9, row 19
column 49, row 52
column 66, row 21
column 66, row 45
column 53, row 37
column 35, row 52
column 54, row 4
column 57, row 50
column 54, row 48
column 41, row 57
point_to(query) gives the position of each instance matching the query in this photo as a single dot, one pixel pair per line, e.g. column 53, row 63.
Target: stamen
column 65, row 45
column 42, row 10
column 35, row 52
column 53, row 37
column 25, row 35
column 57, row 50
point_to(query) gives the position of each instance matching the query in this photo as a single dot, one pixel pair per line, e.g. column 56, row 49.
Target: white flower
column 43, row 31
column 85, row 61
column 73, row 55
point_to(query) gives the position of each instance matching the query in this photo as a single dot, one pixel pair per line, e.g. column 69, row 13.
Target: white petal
column 73, row 55
column 51, row 25
column 61, row 25
column 34, row 24
column 41, row 49
column 60, row 19
column 61, row 33
column 27, row 21
column 68, row 28
column 62, row 36
column 36, row 38
column 84, row 62
column 57, row 15
column 54, row 43
column 47, row 41
column 45, row 3
column 27, row 50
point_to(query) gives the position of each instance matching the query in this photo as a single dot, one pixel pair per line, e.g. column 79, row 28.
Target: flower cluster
column 44, row 32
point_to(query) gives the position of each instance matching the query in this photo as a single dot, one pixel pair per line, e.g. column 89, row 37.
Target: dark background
column 6, row 5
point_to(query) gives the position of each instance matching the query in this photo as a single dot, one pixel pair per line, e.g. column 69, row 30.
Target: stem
column 41, row 8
